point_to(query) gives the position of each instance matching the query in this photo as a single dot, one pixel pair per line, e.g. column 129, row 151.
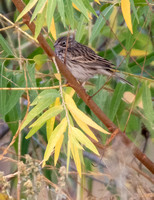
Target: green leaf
column 30, row 5
column 80, row 28
column 61, row 11
column 10, row 98
column 14, row 115
column 40, row 59
column 140, row 2
column 147, row 105
column 50, row 11
column 40, row 22
column 38, row 7
column 34, row 130
column 47, row 115
column 116, row 99
column 69, row 12
column 100, row 22
column 134, row 10
column 89, row 7
column 81, row 7
column 31, row 81
column 110, row 53
column 5, row 46
column 141, row 61
column 44, row 95
column 3, row 94
column 42, row 104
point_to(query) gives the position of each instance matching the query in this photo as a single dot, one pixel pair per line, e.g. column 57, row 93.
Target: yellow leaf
column 84, row 127
column 134, row 52
column 58, row 76
column 68, row 152
column 125, row 7
column 86, row 119
column 75, row 142
column 79, row 114
column 70, row 91
column 53, row 29
column 97, row 1
column 83, row 139
column 113, row 19
column 89, row 15
column 57, row 149
column 54, row 138
column 75, row 7
column 76, row 157
column 69, row 100
column 51, row 122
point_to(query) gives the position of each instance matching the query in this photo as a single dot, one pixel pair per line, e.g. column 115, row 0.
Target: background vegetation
column 118, row 31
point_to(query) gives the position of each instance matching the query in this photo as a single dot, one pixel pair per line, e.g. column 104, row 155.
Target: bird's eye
column 63, row 43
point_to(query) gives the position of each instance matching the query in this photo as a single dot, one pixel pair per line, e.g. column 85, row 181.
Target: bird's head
column 63, row 42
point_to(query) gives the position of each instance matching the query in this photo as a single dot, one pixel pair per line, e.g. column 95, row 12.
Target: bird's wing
column 84, row 55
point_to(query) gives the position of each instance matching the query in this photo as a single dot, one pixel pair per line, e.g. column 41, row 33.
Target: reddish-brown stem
column 82, row 93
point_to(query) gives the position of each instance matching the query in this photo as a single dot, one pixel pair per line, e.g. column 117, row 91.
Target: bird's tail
column 117, row 76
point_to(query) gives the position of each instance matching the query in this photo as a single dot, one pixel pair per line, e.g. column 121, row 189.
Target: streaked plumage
column 82, row 61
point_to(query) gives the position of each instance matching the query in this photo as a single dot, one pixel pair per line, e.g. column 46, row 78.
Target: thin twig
column 16, row 26
column 61, row 92
column 33, row 88
column 19, row 136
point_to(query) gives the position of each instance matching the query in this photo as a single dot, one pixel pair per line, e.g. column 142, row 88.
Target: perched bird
column 82, row 61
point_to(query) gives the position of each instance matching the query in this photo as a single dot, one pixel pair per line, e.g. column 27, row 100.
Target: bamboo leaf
column 40, row 6
column 147, row 105
column 84, row 127
column 54, row 138
column 81, row 7
column 39, row 59
column 47, row 115
column 57, row 149
column 69, row 12
column 134, row 10
column 116, row 99
column 125, row 7
column 97, row 1
column 83, row 139
column 45, row 95
column 39, row 22
column 68, row 151
column 134, row 52
column 5, row 46
column 51, row 121
column 80, row 28
column 89, row 7
column 61, row 11
column 78, row 113
column 34, row 130
column 38, row 109
column 30, row 5
column 75, row 153
column 100, row 22
column 53, row 29
column 50, row 11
